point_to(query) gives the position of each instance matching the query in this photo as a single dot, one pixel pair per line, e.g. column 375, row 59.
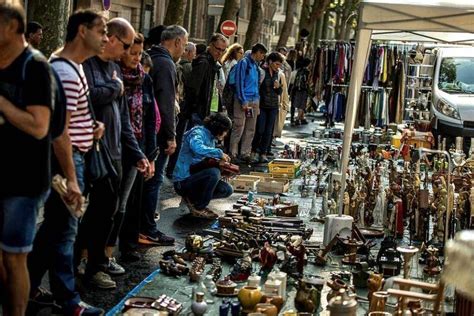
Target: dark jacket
column 269, row 96
column 111, row 108
column 147, row 142
column 183, row 72
column 164, row 79
column 201, row 86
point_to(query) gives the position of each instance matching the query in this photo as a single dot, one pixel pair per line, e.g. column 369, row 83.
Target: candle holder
column 407, row 252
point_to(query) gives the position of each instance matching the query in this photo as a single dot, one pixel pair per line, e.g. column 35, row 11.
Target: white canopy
column 427, row 17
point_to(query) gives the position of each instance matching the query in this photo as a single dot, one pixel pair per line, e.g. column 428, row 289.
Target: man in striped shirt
column 86, row 37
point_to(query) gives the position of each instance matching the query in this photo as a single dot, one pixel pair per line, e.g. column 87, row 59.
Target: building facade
column 200, row 18
column 140, row 13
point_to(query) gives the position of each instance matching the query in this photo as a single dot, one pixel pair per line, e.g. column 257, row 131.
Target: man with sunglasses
column 200, row 93
column 106, row 95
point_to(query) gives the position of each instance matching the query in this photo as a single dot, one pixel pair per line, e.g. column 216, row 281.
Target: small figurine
column 268, row 258
column 297, row 249
column 242, row 269
column 374, row 283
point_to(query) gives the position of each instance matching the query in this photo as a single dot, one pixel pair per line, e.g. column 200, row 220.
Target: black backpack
column 301, row 80
column 58, row 117
column 228, row 95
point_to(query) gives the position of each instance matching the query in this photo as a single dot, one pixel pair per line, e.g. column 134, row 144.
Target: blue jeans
column 151, row 195
column 202, row 187
column 264, row 130
column 54, row 245
column 18, row 223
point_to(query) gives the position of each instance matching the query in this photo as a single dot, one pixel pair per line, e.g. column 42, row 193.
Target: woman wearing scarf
column 138, row 91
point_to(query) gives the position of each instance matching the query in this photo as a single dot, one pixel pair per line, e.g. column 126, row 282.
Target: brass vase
column 249, row 297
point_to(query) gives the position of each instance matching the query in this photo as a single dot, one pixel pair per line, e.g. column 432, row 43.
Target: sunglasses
column 125, row 45
column 218, row 49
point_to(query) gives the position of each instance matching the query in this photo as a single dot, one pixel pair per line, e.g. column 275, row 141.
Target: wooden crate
column 273, row 185
column 244, row 183
column 289, row 168
column 262, row 175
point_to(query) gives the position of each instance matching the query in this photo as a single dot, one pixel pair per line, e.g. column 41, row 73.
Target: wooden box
column 418, row 139
column 286, row 210
column 273, row 185
column 269, row 184
column 285, row 168
column 244, row 183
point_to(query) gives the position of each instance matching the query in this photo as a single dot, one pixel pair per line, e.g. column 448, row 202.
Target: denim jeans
column 53, row 248
column 129, row 176
column 264, row 130
column 202, row 187
column 151, row 196
column 183, row 125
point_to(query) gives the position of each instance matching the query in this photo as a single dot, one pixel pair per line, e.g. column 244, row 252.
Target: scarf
column 132, row 81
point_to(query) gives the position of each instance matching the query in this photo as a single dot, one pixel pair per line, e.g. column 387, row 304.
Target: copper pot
column 267, row 309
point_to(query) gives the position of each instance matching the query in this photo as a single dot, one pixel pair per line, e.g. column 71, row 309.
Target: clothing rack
column 362, row 87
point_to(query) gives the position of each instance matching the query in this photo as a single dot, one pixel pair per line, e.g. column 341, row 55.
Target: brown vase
column 249, row 297
column 274, row 300
column 267, row 309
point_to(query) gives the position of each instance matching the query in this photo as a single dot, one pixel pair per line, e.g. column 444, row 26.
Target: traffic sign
column 228, row 28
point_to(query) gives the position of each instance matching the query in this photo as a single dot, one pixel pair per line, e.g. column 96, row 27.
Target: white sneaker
column 81, row 268
column 114, row 268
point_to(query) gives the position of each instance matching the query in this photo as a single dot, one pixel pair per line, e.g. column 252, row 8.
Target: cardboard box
column 289, row 168
column 244, row 183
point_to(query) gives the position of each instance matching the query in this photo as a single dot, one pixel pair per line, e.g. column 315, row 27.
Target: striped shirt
column 76, row 90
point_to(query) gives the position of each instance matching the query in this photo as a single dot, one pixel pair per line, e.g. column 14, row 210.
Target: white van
column 452, row 106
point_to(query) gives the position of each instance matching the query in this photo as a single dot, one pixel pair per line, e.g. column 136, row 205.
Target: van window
column 456, row 75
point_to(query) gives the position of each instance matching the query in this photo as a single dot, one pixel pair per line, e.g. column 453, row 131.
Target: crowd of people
column 90, row 133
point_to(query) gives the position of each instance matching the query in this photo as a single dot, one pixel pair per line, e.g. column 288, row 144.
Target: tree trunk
column 175, row 12
column 229, row 12
column 349, row 28
column 53, row 20
column 255, row 24
column 304, row 16
column 288, row 25
column 346, row 11
column 319, row 30
column 309, row 16
column 325, row 32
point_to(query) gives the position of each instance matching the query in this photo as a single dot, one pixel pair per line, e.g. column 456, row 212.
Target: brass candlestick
column 378, row 301
column 407, row 252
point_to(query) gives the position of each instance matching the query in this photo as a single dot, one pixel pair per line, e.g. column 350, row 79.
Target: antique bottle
column 224, row 308
column 199, row 306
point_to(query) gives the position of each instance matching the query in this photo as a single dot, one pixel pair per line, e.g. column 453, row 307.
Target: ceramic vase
column 199, row 306
column 267, row 309
column 249, row 296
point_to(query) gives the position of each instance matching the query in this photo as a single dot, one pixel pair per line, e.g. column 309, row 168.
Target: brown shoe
column 188, row 204
column 204, row 213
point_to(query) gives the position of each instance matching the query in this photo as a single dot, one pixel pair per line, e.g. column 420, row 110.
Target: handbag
column 98, row 160
column 99, row 163
column 227, row 169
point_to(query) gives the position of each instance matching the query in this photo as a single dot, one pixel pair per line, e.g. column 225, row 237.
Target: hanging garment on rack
column 337, row 107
